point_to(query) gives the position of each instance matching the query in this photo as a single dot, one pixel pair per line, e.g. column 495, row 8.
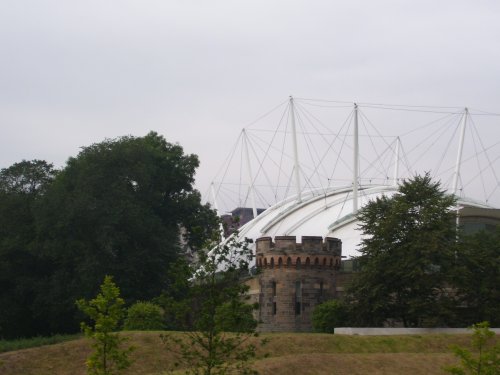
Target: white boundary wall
column 402, row 331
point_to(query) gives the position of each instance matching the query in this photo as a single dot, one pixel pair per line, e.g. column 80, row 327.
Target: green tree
column 216, row 300
column 477, row 277
column 22, row 186
column 117, row 208
column 30, row 177
column 329, row 315
column 174, row 298
column 485, row 360
column 144, row 316
column 106, row 311
column 406, row 257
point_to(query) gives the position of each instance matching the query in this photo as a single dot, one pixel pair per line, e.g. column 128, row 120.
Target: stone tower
column 293, row 279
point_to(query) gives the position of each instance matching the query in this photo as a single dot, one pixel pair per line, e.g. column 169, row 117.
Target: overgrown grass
column 298, row 353
column 18, row 344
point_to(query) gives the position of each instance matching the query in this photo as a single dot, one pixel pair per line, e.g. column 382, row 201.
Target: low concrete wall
column 402, row 331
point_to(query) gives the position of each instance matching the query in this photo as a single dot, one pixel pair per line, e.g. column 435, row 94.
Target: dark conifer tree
column 407, row 255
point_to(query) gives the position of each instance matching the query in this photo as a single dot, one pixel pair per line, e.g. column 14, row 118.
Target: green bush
column 484, row 359
column 235, row 316
column 144, row 316
column 329, row 315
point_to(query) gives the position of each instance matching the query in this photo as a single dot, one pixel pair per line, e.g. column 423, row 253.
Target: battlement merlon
column 312, row 245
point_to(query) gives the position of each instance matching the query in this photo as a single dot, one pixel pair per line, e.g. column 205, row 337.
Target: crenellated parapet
column 294, row 278
column 286, row 252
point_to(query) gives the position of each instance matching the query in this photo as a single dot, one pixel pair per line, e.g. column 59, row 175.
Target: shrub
column 236, row 316
column 329, row 315
column 144, row 316
column 485, row 357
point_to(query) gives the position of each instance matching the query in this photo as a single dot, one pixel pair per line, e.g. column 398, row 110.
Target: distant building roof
column 238, row 217
column 329, row 213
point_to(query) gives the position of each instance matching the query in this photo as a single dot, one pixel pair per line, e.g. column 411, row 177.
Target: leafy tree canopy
column 144, row 316
column 29, row 177
column 477, row 277
column 406, row 255
column 122, row 207
column 117, row 209
column 329, row 315
column 21, row 187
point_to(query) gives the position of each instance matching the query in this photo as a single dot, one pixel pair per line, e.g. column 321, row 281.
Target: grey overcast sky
column 75, row 72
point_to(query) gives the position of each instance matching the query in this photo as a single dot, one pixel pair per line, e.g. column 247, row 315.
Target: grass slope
column 287, row 353
column 10, row 345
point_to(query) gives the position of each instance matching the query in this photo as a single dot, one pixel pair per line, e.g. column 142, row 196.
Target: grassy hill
column 286, row 353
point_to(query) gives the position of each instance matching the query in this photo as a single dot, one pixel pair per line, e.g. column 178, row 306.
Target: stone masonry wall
column 293, row 279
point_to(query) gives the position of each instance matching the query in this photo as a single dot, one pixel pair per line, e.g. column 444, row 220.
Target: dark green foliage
column 477, row 278
column 329, row 315
column 235, row 316
column 216, row 303
column 27, row 177
column 144, row 316
column 21, row 188
column 407, row 257
column 116, row 209
column 485, row 360
column 175, row 300
column 106, row 312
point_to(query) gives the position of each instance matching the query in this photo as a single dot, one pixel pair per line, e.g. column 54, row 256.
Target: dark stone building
column 237, row 218
column 293, row 279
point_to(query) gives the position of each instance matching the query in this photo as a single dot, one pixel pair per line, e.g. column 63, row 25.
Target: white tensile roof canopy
column 302, row 170
column 328, row 215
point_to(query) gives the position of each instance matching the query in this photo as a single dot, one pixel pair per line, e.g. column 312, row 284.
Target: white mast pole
column 396, row 163
column 249, row 167
column 295, row 152
column 460, row 150
column 214, row 197
column 356, row 163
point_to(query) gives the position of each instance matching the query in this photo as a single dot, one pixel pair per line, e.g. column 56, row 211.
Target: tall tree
column 28, row 176
column 406, row 256
column 117, row 209
column 477, row 278
column 21, row 187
